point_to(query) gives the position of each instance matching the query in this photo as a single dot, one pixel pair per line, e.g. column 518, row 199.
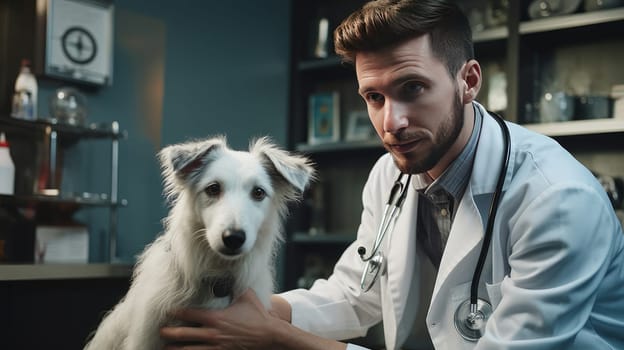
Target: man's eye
column 213, row 190
column 412, row 88
column 258, row 194
column 374, row 97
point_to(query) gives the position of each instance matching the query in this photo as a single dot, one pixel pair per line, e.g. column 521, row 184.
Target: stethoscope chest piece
column 374, row 268
column 470, row 319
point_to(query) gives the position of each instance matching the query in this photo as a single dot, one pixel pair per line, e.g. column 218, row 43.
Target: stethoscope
column 471, row 315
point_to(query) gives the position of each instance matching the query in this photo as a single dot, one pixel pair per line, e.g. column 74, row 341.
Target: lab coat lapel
column 401, row 257
column 466, row 233
column 462, row 249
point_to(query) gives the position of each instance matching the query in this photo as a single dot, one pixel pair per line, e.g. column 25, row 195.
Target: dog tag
column 222, row 287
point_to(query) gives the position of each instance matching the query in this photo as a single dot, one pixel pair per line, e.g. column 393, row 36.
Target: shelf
column 29, row 272
column 571, row 21
column 319, row 64
column 579, row 127
column 91, row 199
column 322, row 238
column 53, row 134
column 491, row 34
column 569, row 128
column 92, row 130
column 339, row 146
column 527, row 52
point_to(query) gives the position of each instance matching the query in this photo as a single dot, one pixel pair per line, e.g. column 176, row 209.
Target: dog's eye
column 258, row 194
column 213, row 190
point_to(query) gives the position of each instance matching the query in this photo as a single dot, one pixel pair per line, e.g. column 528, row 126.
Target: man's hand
column 243, row 325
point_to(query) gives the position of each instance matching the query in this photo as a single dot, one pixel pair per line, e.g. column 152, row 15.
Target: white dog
column 220, row 236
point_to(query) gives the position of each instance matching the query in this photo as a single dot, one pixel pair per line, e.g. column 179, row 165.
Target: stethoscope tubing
column 487, row 238
column 472, row 315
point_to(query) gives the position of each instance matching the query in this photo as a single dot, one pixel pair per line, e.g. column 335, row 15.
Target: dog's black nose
column 233, row 239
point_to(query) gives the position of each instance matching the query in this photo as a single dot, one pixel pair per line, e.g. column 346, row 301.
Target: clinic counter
column 57, row 306
column 30, row 272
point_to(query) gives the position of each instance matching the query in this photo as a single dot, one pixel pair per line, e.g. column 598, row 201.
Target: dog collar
column 221, row 286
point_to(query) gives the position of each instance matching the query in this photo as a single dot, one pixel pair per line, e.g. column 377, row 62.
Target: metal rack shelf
column 91, row 199
column 51, row 193
column 92, row 130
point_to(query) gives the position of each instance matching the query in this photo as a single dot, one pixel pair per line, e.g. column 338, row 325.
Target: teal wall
column 183, row 69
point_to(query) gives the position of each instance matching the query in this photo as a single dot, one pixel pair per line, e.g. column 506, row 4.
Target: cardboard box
column 61, row 244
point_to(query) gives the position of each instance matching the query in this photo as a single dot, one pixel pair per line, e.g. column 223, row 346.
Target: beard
column 443, row 139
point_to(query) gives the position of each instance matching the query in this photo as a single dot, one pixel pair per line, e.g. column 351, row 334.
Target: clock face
column 79, row 41
column 79, row 46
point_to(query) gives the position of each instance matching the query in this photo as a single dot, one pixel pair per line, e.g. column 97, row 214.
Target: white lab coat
column 554, row 274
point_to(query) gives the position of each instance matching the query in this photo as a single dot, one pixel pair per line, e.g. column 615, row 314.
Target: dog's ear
column 296, row 170
column 181, row 162
column 187, row 161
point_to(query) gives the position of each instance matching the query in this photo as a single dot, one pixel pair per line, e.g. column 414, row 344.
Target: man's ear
column 470, row 81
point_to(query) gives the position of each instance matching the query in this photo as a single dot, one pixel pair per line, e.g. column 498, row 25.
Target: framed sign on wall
column 324, row 117
column 78, row 40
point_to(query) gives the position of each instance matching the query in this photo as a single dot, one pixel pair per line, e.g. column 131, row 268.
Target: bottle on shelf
column 24, row 104
column 7, row 168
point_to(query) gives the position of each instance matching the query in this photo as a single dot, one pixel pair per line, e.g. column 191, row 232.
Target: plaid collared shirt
column 438, row 198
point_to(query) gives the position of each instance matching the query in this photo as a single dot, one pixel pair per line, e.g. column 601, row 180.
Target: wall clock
column 79, row 45
column 79, row 41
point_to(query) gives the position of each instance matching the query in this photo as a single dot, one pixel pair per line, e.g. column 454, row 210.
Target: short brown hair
column 380, row 24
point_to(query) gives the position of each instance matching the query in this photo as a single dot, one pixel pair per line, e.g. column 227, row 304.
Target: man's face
column 412, row 102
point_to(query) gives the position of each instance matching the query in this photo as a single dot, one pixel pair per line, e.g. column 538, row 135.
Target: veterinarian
column 551, row 275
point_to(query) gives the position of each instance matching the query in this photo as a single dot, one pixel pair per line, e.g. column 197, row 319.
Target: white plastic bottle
column 7, row 168
column 25, row 98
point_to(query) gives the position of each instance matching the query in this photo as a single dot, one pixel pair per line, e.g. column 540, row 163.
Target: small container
column 7, row 168
column 596, row 5
column 593, row 107
column 556, row 107
column 25, row 94
column 68, row 106
column 23, row 106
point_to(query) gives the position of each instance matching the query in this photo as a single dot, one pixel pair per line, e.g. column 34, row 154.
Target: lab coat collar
column 488, row 158
column 466, row 233
column 468, row 227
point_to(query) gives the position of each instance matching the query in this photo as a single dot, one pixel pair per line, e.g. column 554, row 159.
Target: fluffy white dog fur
column 220, row 236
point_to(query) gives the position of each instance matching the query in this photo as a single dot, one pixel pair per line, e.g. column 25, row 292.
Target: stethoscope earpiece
column 361, row 251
